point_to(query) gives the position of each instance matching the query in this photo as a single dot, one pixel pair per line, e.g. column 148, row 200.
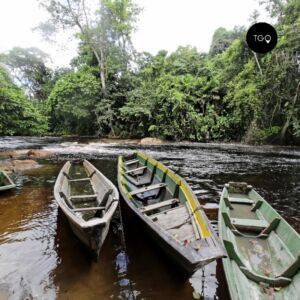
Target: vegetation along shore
column 110, row 89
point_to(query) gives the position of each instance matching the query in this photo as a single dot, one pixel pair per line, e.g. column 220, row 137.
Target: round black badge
column 261, row 37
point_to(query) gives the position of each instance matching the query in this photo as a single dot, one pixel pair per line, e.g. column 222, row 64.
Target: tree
column 71, row 104
column 222, row 39
column 18, row 115
column 28, row 68
column 111, row 25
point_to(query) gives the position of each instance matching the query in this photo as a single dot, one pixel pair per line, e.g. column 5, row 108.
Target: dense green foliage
column 228, row 94
column 71, row 104
column 18, row 116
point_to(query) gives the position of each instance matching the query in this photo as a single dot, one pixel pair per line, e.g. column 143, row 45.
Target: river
column 41, row 259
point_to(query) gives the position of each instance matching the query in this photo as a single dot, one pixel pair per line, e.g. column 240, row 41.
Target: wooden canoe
column 263, row 249
column 5, row 182
column 89, row 214
column 170, row 210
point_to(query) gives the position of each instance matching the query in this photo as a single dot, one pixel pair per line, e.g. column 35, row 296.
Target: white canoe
column 89, row 215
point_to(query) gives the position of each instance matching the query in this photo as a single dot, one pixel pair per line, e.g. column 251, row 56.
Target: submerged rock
column 151, row 141
column 38, row 153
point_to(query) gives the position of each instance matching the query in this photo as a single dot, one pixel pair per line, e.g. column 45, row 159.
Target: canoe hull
column 257, row 263
column 188, row 266
column 188, row 252
column 91, row 231
column 92, row 238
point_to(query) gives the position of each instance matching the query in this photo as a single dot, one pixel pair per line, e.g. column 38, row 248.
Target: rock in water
column 151, row 141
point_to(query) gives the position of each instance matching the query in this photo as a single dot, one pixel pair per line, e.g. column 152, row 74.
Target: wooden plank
column 134, row 170
column 131, row 162
column 79, row 179
column 147, row 188
column 249, row 223
column 154, row 206
column 83, row 196
column 172, row 218
column 183, row 233
column 240, row 200
column 88, row 208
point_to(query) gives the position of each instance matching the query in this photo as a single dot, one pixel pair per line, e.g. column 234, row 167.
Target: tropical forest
column 229, row 94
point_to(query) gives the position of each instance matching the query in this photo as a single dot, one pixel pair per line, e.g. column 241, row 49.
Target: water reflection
column 27, row 250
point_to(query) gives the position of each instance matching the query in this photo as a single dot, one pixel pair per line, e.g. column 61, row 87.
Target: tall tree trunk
column 86, row 34
column 102, row 74
column 100, row 61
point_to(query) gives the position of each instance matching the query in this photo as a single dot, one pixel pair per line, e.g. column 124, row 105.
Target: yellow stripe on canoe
column 122, row 182
column 204, row 232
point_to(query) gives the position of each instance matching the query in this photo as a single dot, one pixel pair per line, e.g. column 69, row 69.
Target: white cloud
column 18, row 18
column 166, row 24
column 163, row 24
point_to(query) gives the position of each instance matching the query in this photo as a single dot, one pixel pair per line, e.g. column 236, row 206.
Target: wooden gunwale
column 9, row 186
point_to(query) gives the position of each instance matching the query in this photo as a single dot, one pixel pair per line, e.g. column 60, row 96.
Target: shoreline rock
column 25, row 153
column 16, row 165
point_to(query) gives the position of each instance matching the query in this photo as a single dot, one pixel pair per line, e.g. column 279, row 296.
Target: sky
column 163, row 24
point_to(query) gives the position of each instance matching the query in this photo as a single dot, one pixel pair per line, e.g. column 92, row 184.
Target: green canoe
column 263, row 249
column 5, row 182
column 170, row 211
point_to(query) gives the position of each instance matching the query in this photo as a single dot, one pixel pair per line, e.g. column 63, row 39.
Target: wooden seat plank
column 88, row 208
column 83, row 196
column 131, row 162
column 147, row 188
column 79, row 179
column 154, row 206
column 137, row 169
column 240, row 200
column 249, row 223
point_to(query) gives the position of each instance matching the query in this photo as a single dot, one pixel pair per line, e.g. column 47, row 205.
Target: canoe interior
column 165, row 199
column 83, row 189
column 5, row 181
column 89, row 200
column 265, row 255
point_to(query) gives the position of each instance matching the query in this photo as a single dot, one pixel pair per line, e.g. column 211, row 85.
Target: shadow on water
column 40, row 258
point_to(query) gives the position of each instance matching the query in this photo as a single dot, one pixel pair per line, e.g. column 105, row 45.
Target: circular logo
column 261, row 37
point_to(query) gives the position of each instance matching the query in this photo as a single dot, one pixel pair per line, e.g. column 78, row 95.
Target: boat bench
column 83, row 196
column 258, row 225
column 137, row 169
column 239, row 200
column 131, row 162
column 79, row 179
column 158, row 205
column 251, row 224
column 147, row 189
column 82, row 209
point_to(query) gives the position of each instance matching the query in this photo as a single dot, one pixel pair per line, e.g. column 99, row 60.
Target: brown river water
column 40, row 258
